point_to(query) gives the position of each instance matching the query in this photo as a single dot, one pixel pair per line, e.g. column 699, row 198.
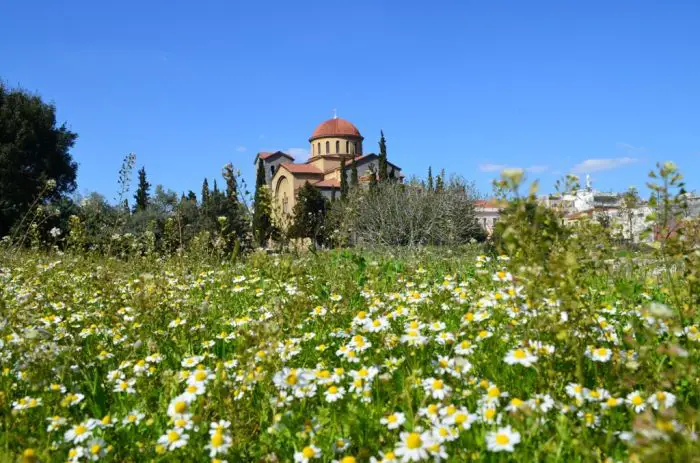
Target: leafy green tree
column 383, row 161
column 142, row 195
column 262, row 212
column 36, row 166
column 343, row 180
column 310, row 215
column 354, row 179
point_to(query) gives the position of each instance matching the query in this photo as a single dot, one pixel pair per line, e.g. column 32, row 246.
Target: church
column 331, row 141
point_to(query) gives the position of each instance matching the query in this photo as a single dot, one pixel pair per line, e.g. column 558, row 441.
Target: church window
column 357, row 151
column 347, row 147
column 318, row 148
column 272, row 170
column 337, row 147
column 328, row 147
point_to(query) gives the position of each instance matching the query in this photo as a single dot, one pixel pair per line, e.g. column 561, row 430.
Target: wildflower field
column 342, row 356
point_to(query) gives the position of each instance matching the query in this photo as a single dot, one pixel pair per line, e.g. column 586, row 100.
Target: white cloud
column 488, row 167
column 298, row 152
column 241, row 149
column 597, row 165
column 491, row 167
column 630, row 148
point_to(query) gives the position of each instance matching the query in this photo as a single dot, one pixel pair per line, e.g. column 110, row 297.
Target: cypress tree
column 440, row 181
column 343, row 180
column 383, row 162
column 205, row 192
column 354, row 180
column 430, row 179
column 260, row 175
column 142, row 195
column 231, row 183
column 262, row 212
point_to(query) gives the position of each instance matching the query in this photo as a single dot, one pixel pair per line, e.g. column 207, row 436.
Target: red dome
column 335, row 128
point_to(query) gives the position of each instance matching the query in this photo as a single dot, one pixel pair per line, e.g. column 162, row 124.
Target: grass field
column 341, row 356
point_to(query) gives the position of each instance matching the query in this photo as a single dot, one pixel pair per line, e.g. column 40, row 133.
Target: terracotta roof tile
column 301, row 168
column 329, row 183
column 335, row 127
column 267, row 154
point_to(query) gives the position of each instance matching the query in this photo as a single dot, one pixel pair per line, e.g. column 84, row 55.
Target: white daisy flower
column 503, row 440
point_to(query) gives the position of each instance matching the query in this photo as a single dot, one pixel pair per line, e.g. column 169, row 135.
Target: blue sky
column 470, row 86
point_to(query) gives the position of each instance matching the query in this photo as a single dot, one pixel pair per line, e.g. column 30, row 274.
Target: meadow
column 427, row 355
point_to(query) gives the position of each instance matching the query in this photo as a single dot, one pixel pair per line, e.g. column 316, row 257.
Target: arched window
column 328, row 147
column 337, row 147
column 318, row 148
column 272, row 170
column 347, row 147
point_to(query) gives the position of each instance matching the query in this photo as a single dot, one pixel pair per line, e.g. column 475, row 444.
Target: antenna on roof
column 335, row 113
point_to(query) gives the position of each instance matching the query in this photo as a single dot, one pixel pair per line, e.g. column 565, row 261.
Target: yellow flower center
column 348, row 459
column 519, row 354
column 437, row 384
column 173, row 436
column 392, row 419
column 611, row 402
column 637, row 400
column 200, row 375
column 490, row 413
column 217, row 439
column 460, row 418
column 494, row 392
column 502, row 439
column 413, row 441
column 292, row 379
column 95, row 449
column 80, row 430
column 180, row 407
column 332, row 390
column 308, row 452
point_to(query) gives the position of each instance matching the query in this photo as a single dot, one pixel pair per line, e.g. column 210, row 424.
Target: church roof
column 301, row 168
column 329, row 183
column 264, row 155
column 335, row 127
